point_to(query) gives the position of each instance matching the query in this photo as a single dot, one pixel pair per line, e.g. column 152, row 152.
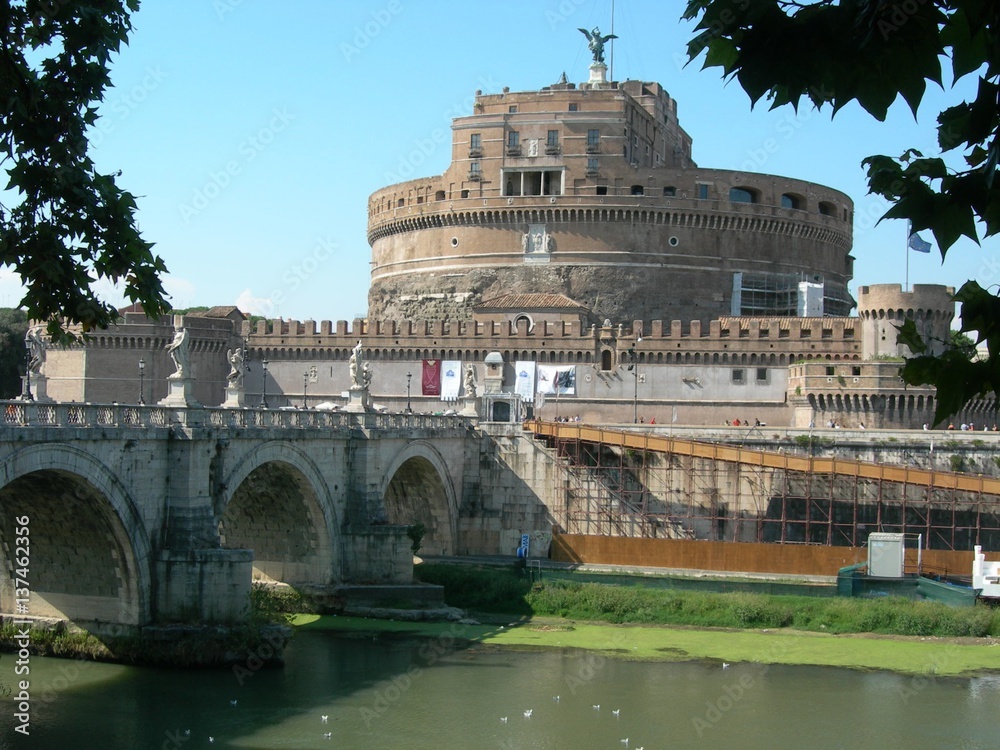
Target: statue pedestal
column 598, row 76
column 235, row 398
column 358, row 401
column 469, row 407
column 179, row 393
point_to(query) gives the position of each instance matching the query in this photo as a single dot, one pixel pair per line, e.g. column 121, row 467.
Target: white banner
column 557, row 379
column 524, row 386
column 451, row 379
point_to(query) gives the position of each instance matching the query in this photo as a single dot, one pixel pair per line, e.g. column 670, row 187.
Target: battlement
column 729, row 329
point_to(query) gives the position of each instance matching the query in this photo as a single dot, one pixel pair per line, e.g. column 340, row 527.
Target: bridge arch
column 418, row 487
column 89, row 551
column 276, row 502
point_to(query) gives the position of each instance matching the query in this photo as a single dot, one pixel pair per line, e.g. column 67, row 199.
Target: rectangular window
column 591, row 165
column 738, row 376
column 761, row 374
column 475, row 141
column 669, row 192
column 602, row 190
column 513, row 139
column 512, row 109
column 553, row 138
column 593, row 138
column 856, row 372
column 573, row 108
column 702, row 191
column 830, row 372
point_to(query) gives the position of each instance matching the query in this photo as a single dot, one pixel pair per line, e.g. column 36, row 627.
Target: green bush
column 503, row 591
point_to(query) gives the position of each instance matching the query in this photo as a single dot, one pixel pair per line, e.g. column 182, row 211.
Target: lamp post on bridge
column 409, row 375
column 142, row 377
column 27, row 377
column 263, row 384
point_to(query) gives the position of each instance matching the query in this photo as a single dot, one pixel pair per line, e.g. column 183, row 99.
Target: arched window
column 789, row 200
column 439, row 195
column 638, row 190
column 606, row 360
column 827, row 209
column 742, row 195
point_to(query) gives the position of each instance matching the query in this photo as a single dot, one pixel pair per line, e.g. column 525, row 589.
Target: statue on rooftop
column 237, row 367
column 355, row 366
column 178, row 351
column 36, row 348
column 595, row 42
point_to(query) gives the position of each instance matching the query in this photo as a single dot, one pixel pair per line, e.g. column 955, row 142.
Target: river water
column 381, row 692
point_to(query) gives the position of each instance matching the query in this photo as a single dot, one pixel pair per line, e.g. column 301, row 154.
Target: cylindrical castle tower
column 883, row 307
column 591, row 192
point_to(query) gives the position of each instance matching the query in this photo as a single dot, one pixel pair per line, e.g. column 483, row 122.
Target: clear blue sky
column 253, row 132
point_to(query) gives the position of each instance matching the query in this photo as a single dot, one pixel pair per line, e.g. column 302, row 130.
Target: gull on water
column 616, row 711
column 527, row 714
column 503, row 719
column 325, row 719
column 597, row 707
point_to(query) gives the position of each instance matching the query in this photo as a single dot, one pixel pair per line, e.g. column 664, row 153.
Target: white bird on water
column 616, row 712
column 725, row 665
column 328, row 735
column 597, row 707
column 503, row 719
column 555, row 698
column 232, row 702
column 625, row 742
column 527, row 714
column 325, row 719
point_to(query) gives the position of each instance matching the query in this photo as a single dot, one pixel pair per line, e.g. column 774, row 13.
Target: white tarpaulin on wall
column 451, row 379
column 524, row 386
column 557, row 379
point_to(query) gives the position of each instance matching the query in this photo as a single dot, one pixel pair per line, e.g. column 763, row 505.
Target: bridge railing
column 48, row 414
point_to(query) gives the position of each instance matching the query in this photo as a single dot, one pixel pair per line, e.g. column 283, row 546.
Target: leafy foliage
column 69, row 225
column 832, row 52
column 13, row 326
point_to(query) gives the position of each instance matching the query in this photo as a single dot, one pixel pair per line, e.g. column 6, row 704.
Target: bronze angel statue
column 596, row 42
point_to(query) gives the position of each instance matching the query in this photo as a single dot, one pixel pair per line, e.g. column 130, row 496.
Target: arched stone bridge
column 148, row 514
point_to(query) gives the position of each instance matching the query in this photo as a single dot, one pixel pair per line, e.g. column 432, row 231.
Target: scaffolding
column 635, row 484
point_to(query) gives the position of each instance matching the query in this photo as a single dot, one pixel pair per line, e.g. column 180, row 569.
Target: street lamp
column 27, row 377
column 142, row 377
column 408, row 409
column 263, row 385
column 634, row 369
column 305, row 387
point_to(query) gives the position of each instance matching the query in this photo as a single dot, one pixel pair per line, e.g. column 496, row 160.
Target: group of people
column 970, row 427
column 568, row 419
column 744, row 423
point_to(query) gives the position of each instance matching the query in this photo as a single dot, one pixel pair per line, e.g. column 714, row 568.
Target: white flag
column 451, row 379
column 524, row 386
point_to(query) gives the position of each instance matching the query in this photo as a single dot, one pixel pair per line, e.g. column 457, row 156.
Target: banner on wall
column 430, row 378
column 557, row 379
column 451, row 379
column 524, row 386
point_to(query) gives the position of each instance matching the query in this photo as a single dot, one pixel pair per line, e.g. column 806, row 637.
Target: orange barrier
column 735, row 557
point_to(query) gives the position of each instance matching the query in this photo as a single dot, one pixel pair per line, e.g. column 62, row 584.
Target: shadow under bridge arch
column 418, row 489
column 87, row 551
column 280, row 507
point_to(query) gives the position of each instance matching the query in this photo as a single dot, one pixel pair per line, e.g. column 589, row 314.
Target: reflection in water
column 398, row 694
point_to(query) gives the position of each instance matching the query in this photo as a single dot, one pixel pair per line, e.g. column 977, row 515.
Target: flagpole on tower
column 612, row 71
column 909, row 232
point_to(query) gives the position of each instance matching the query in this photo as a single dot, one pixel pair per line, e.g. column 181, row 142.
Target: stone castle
column 572, row 229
